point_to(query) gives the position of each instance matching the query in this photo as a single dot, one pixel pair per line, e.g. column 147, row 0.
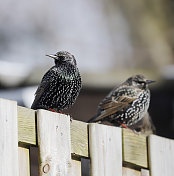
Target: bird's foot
column 71, row 118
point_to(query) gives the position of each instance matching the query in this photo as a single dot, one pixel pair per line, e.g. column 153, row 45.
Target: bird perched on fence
column 126, row 104
column 60, row 86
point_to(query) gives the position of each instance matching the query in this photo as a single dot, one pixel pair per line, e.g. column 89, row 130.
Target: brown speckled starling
column 126, row 104
column 60, row 86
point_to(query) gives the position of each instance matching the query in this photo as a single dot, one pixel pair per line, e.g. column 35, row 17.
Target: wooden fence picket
column 8, row 138
column 76, row 148
column 161, row 156
column 105, row 150
column 54, row 143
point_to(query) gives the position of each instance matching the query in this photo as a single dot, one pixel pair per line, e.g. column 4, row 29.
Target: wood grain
column 161, row 156
column 27, row 132
column 8, row 138
column 79, row 138
column 24, row 161
column 105, row 145
column 145, row 172
column 54, row 143
column 26, row 126
column 130, row 172
column 75, row 169
column 134, row 148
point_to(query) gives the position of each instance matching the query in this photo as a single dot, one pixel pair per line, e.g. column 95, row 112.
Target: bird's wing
column 40, row 90
column 44, row 85
column 118, row 103
column 111, row 106
column 113, row 103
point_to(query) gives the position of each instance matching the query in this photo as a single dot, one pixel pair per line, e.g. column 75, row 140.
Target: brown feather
column 112, row 106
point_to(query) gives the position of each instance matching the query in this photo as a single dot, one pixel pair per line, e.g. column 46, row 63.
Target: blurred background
column 111, row 40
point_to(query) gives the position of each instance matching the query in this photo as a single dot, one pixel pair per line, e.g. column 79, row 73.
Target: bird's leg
column 134, row 131
column 69, row 116
column 52, row 110
column 124, row 126
column 55, row 111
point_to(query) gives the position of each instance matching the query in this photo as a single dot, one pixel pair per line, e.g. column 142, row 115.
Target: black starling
column 60, row 86
column 126, row 104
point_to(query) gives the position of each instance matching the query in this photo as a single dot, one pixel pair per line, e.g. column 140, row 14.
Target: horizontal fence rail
column 64, row 146
column 134, row 146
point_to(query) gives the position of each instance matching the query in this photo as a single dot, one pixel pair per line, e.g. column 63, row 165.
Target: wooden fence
column 64, row 146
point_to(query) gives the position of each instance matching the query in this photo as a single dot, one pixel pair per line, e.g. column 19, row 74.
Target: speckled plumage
column 60, row 86
column 126, row 104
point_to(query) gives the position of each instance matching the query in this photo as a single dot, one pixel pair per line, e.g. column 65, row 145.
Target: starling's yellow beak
column 52, row 56
column 150, row 81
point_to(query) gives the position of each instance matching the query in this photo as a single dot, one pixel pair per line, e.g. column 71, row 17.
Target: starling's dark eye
column 61, row 57
column 141, row 82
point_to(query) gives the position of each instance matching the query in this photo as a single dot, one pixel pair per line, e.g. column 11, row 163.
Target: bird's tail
column 92, row 119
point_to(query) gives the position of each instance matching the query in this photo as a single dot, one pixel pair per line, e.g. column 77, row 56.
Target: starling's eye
column 141, row 82
column 61, row 57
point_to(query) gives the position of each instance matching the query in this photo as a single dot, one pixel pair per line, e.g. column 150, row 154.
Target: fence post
column 8, row 138
column 105, row 145
column 54, row 143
